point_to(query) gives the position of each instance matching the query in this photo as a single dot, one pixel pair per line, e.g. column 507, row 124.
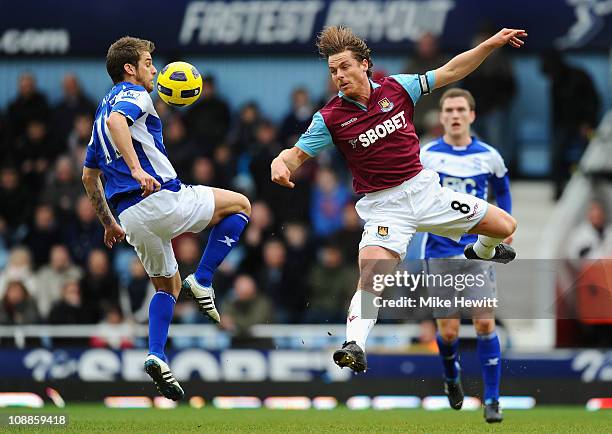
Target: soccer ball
column 179, row 84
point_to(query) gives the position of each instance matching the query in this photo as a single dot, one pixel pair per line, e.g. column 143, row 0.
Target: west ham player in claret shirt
column 371, row 125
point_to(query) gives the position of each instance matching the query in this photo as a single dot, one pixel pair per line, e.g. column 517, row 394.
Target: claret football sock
column 221, row 241
column 489, row 353
column 161, row 310
column 449, row 354
column 484, row 247
column 361, row 318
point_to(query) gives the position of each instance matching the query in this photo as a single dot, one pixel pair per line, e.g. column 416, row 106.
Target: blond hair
column 336, row 39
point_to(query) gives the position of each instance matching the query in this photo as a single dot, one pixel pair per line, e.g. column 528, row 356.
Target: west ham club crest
column 385, row 104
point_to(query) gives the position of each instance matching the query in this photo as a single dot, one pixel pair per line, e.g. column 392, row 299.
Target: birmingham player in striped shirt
column 371, row 125
column 151, row 202
column 467, row 165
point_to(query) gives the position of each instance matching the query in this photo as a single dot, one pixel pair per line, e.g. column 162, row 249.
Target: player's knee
column 244, row 204
column 448, row 334
column 368, row 280
column 513, row 224
column 484, row 326
column 509, row 225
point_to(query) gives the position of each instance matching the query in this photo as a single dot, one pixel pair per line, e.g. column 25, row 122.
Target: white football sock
column 358, row 327
column 484, row 247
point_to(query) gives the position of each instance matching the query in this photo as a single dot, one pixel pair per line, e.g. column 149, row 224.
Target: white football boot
column 204, row 297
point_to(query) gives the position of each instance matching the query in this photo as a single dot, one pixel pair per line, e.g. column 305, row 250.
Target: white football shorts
column 419, row 204
column 151, row 224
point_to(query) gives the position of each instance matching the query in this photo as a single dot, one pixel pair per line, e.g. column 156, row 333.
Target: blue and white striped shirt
column 135, row 103
column 467, row 169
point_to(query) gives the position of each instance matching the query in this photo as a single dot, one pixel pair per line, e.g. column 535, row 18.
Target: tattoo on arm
column 98, row 201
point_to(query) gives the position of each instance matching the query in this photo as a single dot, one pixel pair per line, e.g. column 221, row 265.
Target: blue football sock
column 449, row 355
column 489, row 353
column 161, row 309
column 222, row 239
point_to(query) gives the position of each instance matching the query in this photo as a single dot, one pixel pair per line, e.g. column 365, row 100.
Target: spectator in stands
column 18, row 268
column 182, row 150
column 278, row 282
column 51, row 278
column 30, row 104
column 225, row 166
column 427, row 57
column 591, row 239
column 426, row 341
column 494, row 86
column 331, row 284
column 244, row 308
column 43, row 234
column 188, row 253
column 36, row 150
column 298, row 118
column 203, row 172
column 242, row 134
column 300, row 252
column 209, row 118
column 260, row 228
column 63, row 188
column 71, row 309
column 575, row 113
column 112, row 317
column 327, row 203
column 83, row 233
column 433, row 128
column 140, row 290
column 265, row 148
column 73, row 103
column 17, row 306
column 80, row 134
column 99, row 285
column 15, row 204
column 349, row 234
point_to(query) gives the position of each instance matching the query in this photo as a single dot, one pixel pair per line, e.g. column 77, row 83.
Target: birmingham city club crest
column 385, row 104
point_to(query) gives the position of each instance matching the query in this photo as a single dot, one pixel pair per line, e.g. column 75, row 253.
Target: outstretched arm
column 285, row 164
column 463, row 64
column 113, row 233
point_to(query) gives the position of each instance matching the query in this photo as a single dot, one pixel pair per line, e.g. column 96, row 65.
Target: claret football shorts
column 419, row 204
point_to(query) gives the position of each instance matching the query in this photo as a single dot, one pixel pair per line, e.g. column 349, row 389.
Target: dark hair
column 336, row 39
column 455, row 92
column 21, row 286
column 125, row 50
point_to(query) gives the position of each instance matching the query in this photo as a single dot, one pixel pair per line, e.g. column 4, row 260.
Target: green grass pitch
column 96, row 418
